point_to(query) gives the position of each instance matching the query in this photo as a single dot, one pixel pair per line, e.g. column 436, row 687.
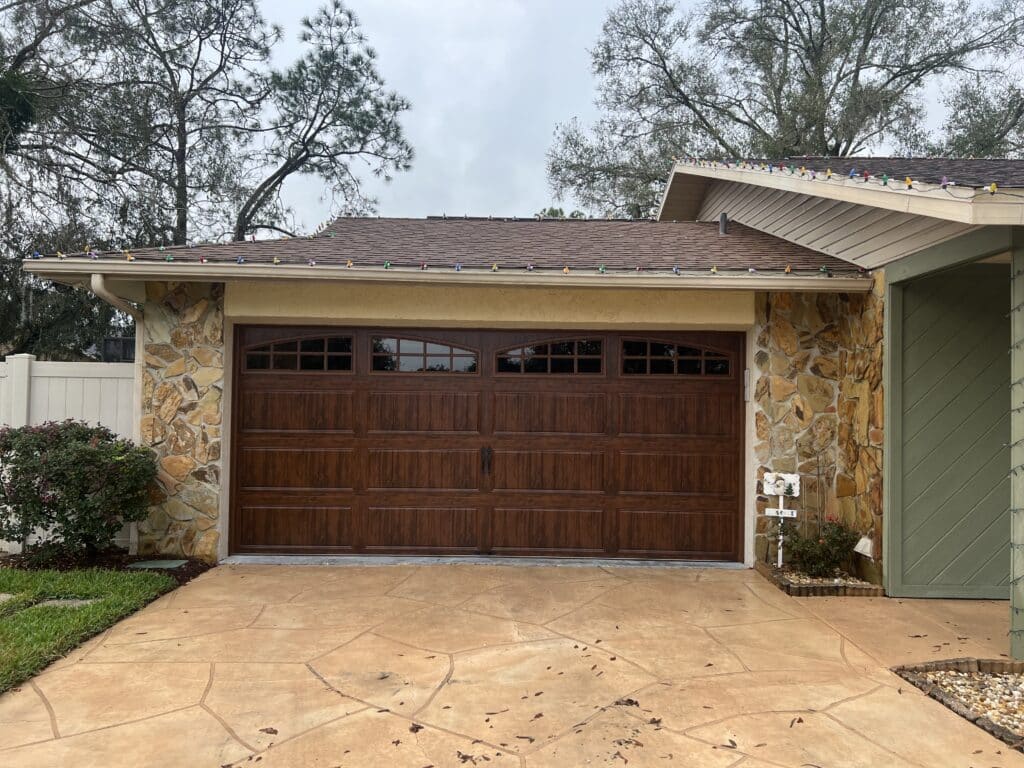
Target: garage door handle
column 486, row 454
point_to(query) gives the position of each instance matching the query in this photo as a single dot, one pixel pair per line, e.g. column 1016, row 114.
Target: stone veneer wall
column 183, row 385
column 819, row 409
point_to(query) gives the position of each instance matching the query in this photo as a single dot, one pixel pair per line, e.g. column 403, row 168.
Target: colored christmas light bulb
column 387, row 265
column 240, row 259
column 714, row 270
column 789, row 269
column 945, row 182
column 458, row 266
column 311, row 262
column 494, row 267
column 565, row 270
column 676, row 270
column 601, row 269
column 529, row 267
column 348, row 264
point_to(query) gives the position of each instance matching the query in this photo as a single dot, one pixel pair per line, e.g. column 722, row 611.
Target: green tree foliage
column 771, row 78
column 70, row 484
column 129, row 123
column 551, row 212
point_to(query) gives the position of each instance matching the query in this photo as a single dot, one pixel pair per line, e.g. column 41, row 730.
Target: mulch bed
column 934, row 679
column 114, row 559
column 798, row 585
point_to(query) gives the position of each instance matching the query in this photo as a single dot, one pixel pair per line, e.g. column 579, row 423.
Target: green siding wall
column 954, row 376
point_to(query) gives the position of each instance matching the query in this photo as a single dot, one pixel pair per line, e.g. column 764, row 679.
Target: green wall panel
column 953, row 378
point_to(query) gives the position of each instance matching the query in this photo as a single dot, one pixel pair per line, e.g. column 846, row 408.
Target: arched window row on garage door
column 417, row 355
column 319, row 353
column 558, row 356
column 653, row 357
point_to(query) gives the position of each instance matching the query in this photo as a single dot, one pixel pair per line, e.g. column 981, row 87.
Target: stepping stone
column 5, row 596
column 67, row 602
column 168, row 565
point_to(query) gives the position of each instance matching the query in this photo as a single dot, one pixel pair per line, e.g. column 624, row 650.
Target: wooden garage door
column 466, row 442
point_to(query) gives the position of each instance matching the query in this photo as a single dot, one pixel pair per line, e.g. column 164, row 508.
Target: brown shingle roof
column 547, row 244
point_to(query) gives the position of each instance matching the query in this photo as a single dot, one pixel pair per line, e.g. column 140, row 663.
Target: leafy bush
column 824, row 554
column 71, row 484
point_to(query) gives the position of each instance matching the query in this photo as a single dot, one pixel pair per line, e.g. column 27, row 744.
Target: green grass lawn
column 32, row 636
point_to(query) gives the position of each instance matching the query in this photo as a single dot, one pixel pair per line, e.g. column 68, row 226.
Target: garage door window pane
column 255, row 361
column 562, row 357
column 285, row 362
column 510, row 365
column 640, row 358
column 716, row 366
column 418, row 356
column 307, row 355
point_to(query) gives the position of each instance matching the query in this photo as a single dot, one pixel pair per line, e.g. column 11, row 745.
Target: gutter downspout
column 98, row 285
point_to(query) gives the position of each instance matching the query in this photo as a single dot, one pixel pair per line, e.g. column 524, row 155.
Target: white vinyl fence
column 34, row 392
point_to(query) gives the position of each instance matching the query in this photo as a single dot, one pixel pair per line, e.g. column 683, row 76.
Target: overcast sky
column 488, row 81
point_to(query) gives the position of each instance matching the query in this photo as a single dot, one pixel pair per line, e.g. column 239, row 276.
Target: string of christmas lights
column 459, row 266
column 810, row 174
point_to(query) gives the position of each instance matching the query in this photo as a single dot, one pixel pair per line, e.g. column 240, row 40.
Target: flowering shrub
column 822, row 554
column 70, row 484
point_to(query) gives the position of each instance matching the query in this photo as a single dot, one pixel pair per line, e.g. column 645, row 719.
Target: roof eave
column 78, row 271
column 965, row 205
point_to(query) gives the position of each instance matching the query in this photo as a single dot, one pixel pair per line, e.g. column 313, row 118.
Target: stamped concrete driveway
column 455, row 665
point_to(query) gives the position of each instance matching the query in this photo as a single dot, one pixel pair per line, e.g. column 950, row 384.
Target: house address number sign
column 784, row 486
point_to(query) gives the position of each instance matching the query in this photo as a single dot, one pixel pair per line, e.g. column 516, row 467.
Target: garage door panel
column 689, row 415
column 297, row 410
column 660, row 532
column 523, row 529
column 549, row 471
column 551, row 443
column 562, row 413
column 411, row 412
column 281, row 527
column 270, row 468
column 395, row 528
column 677, row 473
column 443, row 469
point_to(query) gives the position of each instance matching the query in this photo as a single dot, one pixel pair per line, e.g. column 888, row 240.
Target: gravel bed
column 845, row 579
column 997, row 696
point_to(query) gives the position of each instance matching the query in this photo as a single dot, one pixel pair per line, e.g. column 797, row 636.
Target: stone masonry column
column 182, row 414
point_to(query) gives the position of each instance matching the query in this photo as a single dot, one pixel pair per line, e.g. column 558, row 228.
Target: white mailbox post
column 784, row 486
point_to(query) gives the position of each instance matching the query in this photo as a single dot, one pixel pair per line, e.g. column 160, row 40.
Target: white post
column 781, row 521
column 19, row 378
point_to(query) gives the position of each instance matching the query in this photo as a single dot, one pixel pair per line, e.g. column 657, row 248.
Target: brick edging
column 915, row 674
column 816, row 590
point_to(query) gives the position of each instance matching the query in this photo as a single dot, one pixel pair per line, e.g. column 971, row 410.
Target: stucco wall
column 474, row 306
column 182, row 396
column 819, row 407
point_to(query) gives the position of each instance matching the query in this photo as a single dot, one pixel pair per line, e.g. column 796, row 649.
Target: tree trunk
column 180, row 177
